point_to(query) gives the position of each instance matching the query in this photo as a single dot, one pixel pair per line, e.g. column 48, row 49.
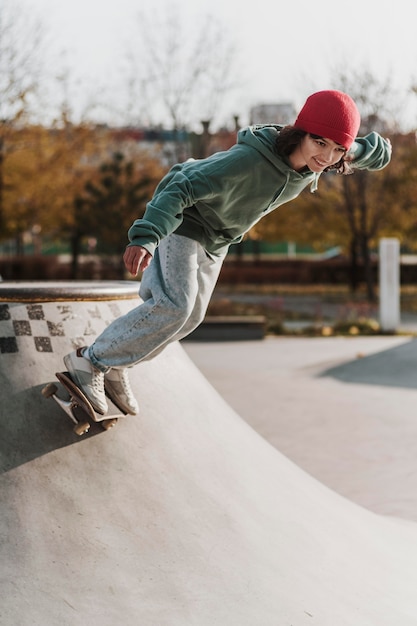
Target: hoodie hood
column 262, row 137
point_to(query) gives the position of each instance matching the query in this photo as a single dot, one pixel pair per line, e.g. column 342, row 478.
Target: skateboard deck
column 78, row 408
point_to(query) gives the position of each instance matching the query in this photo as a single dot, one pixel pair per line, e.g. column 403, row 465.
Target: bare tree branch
column 21, row 60
column 180, row 75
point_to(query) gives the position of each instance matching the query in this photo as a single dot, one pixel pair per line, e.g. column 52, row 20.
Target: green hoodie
column 218, row 199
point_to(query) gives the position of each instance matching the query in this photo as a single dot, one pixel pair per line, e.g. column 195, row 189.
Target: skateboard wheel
column 81, row 429
column 106, row 424
column 49, row 390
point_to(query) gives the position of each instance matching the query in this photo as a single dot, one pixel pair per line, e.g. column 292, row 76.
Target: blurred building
column 282, row 113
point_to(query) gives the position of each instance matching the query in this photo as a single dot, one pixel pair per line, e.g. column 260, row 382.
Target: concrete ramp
column 180, row 516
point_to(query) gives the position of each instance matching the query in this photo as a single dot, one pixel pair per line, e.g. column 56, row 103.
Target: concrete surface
column 342, row 408
column 182, row 515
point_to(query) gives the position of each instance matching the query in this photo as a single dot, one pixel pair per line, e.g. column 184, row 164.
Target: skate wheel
column 107, row 424
column 49, row 390
column 81, row 429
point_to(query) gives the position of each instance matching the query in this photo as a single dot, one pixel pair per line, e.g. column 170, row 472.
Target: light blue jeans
column 176, row 289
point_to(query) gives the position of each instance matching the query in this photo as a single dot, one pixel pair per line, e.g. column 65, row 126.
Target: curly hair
column 289, row 138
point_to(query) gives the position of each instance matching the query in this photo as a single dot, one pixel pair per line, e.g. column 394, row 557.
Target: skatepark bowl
column 180, row 516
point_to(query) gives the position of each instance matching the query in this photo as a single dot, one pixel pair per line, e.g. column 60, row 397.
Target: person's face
column 316, row 153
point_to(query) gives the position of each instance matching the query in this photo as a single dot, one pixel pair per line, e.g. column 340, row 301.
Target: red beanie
column 332, row 115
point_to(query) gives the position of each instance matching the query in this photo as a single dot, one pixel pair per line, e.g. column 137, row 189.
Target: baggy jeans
column 176, row 289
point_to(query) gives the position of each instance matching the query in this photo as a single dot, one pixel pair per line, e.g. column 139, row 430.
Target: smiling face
column 316, row 153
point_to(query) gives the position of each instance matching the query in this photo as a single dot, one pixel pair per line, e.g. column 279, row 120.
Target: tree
column 176, row 71
column 365, row 195
column 43, row 172
column 112, row 199
column 401, row 220
column 21, row 65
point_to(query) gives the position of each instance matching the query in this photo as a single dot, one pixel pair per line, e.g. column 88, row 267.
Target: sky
column 286, row 49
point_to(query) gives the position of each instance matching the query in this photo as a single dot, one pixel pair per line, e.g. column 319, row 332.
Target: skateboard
column 78, row 408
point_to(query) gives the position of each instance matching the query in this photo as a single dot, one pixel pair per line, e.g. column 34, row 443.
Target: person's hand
column 136, row 259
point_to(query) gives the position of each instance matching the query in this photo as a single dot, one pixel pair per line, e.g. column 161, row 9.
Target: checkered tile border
column 42, row 330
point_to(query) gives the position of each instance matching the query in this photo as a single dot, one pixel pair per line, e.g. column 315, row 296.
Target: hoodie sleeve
column 371, row 152
column 163, row 213
column 179, row 189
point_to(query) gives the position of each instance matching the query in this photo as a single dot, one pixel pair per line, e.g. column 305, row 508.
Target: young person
column 198, row 210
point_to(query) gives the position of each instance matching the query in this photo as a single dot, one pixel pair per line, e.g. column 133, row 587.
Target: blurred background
column 99, row 99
